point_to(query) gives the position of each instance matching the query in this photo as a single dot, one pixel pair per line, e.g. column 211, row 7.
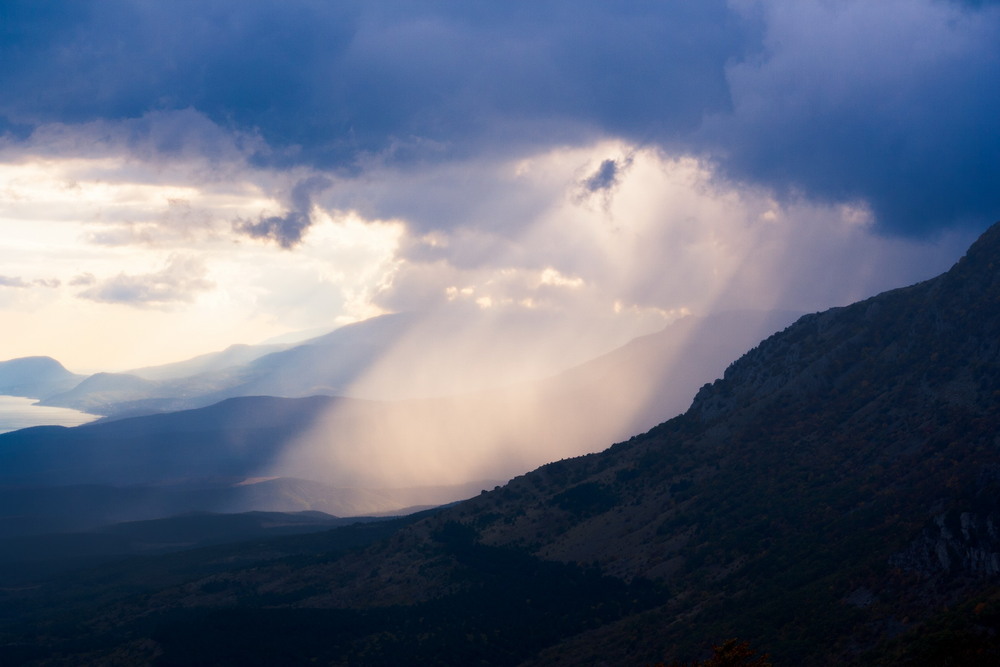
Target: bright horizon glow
column 112, row 275
column 68, row 229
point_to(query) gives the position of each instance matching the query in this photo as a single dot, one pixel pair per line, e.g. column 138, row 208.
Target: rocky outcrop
column 955, row 543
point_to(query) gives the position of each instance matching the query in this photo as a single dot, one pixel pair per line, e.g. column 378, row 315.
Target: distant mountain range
column 342, row 456
column 326, row 365
column 832, row 499
column 57, row 479
column 344, row 442
column 35, row 377
column 234, row 355
column 392, row 357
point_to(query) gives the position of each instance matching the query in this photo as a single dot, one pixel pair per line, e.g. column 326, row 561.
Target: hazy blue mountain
column 234, row 355
column 237, row 438
column 322, row 366
column 403, row 356
column 100, row 392
column 429, row 442
column 832, row 499
column 220, row 458
column 35, row 377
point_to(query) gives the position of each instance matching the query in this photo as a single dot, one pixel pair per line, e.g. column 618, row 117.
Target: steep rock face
column 962, row 541
column 955, row 543
column 940, row 335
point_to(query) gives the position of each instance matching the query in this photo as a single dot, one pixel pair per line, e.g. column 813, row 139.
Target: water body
column 17, row 412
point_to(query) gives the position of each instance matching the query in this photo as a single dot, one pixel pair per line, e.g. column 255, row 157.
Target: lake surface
column 17, row 412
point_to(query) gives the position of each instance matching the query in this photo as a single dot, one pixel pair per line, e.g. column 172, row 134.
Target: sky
column 179, row 176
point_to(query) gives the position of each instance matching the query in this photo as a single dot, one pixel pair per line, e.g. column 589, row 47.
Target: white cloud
column 12, row 281
column 181, row 280
column 666, row 237
column 671, row 237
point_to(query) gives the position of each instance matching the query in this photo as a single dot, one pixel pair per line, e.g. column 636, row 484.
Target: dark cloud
column 18, row 131
column 893, row 103
column 180, row 281
column 328, row 82
column 888, row 103
column 607, row 175
column 604, row 178
column 287, row 230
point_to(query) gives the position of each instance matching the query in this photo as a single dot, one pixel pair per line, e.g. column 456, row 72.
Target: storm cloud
column 634, row 161
column 287, row 229
column 604, row 178
column 889, row 104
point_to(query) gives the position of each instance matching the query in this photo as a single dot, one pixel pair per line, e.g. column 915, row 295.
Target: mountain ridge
column 35, row 377
column 363, row 360
column 498, row 433
column 803, row 501
column 831, row 499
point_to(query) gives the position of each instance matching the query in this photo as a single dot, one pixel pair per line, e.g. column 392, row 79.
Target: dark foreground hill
column 833, row 500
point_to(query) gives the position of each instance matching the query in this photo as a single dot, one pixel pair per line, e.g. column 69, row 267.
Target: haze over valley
column 383, row 442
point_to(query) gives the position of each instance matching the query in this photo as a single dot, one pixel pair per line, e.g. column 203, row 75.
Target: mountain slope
column 236, row 438
column 654, row 377
column 834, row 479
column 324, row 365
column 406, row 356
column 234, row 355
column 832, row 499
column 100, row 392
